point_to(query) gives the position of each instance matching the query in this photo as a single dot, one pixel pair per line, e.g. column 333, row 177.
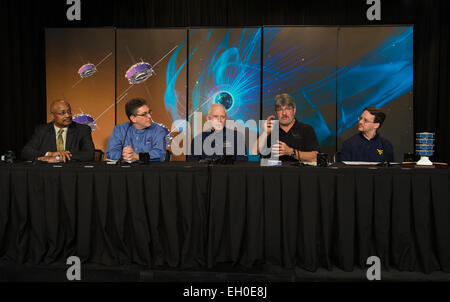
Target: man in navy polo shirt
column 368, row 145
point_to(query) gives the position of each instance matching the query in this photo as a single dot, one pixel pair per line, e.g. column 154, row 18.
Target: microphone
column 120, row 161
column 226, row 159
column 8, row 157
column 382, row 148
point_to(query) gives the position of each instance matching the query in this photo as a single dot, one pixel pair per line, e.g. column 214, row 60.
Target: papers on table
column 361, row 163
column 265, row 162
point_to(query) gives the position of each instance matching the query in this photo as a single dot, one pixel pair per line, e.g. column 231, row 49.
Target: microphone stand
column 120, row 161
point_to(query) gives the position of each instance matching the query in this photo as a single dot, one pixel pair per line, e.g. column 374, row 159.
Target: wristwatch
column 293, row 153
column 57, row 157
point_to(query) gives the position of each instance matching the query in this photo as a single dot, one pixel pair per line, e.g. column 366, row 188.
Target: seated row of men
column 142, row 140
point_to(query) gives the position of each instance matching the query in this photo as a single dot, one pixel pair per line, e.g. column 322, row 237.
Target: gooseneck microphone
column 120, row 161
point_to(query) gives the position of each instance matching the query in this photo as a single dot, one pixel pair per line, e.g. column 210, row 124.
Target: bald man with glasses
column 60, row 140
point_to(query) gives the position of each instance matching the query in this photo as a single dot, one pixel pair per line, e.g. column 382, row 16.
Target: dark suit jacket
column 78, row 142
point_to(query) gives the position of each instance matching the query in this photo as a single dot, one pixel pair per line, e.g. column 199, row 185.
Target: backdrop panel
column 375, row 68
column 225, row 67
column 165, row 90
column 301, row 61
column 92, row 97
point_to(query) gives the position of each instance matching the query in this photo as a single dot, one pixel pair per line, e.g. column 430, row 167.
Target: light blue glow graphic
column 174, row 104
column 232, row 68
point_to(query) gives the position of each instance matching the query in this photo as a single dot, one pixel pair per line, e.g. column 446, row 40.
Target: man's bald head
column 217, row 108
column 217, row 115
column 56, row 104
column 62, row 113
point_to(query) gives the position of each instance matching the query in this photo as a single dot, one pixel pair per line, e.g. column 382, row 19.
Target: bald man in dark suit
column 60, row 140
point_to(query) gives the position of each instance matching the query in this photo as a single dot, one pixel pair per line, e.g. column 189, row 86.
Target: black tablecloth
column 191, row 215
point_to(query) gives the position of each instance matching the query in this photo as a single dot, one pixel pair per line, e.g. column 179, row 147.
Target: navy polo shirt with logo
column 359, row 148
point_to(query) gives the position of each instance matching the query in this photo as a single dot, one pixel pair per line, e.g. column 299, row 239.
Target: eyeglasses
column 144, row 113
column 365, row 121
column 62, row 113
column 284, row 109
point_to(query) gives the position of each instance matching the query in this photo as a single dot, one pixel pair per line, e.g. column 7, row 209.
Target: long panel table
column 183, row 215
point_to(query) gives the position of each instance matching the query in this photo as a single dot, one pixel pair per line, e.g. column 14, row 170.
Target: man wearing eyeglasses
column 297, row 141
column 60, row 140
column 368, row 145
column 139, row 139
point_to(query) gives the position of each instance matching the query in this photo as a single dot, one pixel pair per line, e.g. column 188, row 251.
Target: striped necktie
column 60, row 146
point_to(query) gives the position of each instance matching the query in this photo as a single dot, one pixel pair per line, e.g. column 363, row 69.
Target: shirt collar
column 57, row 128
column 138, row 131
column 373, row 138
column 295, row 125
